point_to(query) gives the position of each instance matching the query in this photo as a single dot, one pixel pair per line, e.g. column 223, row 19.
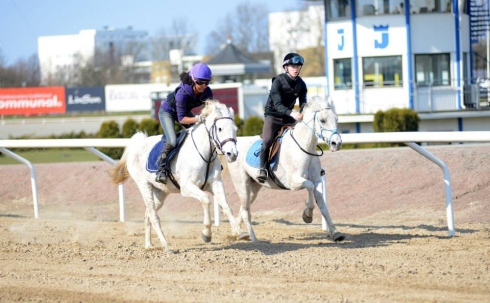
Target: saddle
column 276, row 144
column 152, row 163
column 252, row 157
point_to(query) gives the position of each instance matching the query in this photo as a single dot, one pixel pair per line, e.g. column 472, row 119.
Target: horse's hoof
column 338, row 237
column 243, row 236
column 306, row 218
column 206, row 239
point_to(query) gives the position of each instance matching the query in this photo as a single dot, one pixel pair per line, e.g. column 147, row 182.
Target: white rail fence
column 408, row 138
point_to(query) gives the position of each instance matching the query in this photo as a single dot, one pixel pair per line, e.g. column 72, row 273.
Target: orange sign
column 32, row 101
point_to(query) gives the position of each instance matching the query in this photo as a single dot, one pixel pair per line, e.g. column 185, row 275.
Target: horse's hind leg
column 322, row 205
column 247, row 193
column 148, row 243
column 151, row 217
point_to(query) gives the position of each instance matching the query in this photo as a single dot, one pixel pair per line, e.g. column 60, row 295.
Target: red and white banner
column 32, row 101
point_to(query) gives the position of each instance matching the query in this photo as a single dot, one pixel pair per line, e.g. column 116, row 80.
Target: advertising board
column 28, row 101
column 84, row 99
column 130, row 97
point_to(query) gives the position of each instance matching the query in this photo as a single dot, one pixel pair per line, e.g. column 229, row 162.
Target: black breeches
column 272, row 125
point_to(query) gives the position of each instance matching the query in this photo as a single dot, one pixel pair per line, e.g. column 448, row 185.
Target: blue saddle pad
column 253, row 155
column 152, row 161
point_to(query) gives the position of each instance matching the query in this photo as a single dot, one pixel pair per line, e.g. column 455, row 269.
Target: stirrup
column 161, row 177
column 262, row 176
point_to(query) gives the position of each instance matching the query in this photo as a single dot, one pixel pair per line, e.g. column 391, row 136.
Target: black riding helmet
column 293, row 58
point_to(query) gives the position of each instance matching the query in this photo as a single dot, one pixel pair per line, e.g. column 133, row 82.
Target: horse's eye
column 323, row 120
column 219, row 129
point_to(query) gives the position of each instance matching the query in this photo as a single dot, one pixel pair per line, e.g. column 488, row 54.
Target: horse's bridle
column 332, row 131
column 213, row 135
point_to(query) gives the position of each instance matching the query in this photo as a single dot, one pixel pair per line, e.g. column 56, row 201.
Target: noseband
column 333, row 131
column 214, row 134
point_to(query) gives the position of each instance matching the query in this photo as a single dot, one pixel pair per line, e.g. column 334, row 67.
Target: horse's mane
column 318, row 103
column 213, row 106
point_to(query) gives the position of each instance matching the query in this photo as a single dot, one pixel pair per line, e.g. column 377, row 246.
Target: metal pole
column 108, row 159
column 33, row 177
column 325, row 197
column 447, row 184
column 216, row 213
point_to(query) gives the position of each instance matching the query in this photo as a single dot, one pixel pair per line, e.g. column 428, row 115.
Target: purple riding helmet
column 201, row 71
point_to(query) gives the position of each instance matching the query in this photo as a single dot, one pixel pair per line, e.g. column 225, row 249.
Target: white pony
column 195, row 168
column 297, row 166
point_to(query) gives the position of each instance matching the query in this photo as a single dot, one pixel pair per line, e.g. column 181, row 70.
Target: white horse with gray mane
column 296, row 166
column 194, row 169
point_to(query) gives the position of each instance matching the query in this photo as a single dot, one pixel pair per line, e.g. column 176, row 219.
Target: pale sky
column 23, row 21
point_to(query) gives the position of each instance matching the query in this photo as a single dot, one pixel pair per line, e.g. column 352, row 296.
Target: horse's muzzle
column 231, row 157
column 336, row 143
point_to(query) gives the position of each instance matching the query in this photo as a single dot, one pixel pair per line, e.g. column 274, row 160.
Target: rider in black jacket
column 285, row 89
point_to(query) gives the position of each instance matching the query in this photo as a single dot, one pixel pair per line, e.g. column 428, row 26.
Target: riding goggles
column 296, row 60
column 201, row 82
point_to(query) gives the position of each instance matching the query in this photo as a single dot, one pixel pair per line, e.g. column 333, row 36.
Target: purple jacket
column 184, row 101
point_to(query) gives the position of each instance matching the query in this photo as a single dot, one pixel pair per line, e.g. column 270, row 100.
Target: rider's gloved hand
column 296, row 115
column 199, row 118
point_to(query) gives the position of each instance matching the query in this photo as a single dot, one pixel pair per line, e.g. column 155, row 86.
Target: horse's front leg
column 322, row 205
column 218, row 190
column 191, row 190
column 298, row 182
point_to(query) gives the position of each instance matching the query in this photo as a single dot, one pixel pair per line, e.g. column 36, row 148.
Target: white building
column 63, row 54
column 382, row 54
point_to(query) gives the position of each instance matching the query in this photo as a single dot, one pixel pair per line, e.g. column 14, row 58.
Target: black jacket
column 283, row 94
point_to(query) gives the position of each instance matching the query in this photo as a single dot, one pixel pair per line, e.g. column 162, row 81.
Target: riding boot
column 262, row 174
column 162, row 169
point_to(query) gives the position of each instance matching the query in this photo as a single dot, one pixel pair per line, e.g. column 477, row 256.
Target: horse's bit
column 320, row 135
column 213, row 135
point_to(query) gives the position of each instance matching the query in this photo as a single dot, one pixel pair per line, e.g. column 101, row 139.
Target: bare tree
column 303, row 32
column 2, row 59
column 247, row 26
column 23, row 73
column 219, row 36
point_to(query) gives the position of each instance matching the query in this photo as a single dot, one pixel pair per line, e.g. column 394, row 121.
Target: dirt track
column 390, row 203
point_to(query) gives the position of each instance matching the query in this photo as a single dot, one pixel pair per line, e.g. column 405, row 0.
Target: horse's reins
column 213, row 135
column 215, row 138
column 318, row 135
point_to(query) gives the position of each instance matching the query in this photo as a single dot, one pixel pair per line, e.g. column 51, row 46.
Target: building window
column 342, row 73
column 338, row 9
column 385, row 7
column 430, row 6
column 382, row 71
column 432, row 69
column 379, row 7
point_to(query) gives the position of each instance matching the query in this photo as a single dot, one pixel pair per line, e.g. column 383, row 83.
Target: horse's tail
column 224, row 164
column 120, row 172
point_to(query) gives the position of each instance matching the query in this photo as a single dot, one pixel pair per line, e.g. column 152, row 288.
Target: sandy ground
column 390, row 203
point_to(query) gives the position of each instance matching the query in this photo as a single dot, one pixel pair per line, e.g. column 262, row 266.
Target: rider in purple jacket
column 191, row 93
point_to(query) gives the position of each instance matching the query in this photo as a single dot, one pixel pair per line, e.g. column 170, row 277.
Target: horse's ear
column 231, row 112
column 330, row 102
